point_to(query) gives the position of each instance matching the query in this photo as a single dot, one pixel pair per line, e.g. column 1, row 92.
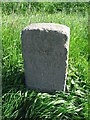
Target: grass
column 22, row 104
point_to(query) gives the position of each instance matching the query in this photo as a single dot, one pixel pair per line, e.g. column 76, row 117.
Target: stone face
column 45, row 52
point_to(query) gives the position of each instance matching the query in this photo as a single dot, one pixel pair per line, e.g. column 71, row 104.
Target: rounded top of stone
column 48, row 27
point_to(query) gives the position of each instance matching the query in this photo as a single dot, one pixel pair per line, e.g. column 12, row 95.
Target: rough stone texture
column 45, row 51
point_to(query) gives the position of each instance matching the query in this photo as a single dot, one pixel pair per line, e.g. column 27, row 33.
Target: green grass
column 20, row 103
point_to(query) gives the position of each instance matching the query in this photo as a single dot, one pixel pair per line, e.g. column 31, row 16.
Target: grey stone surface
column 45, row 51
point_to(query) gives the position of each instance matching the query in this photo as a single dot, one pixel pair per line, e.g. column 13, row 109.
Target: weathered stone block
column 45, row 51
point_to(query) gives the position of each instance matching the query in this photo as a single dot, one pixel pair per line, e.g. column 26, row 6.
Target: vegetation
column 49, row 7
column 22, row 104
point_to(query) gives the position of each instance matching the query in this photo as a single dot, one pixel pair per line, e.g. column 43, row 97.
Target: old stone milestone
column 45, row 51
